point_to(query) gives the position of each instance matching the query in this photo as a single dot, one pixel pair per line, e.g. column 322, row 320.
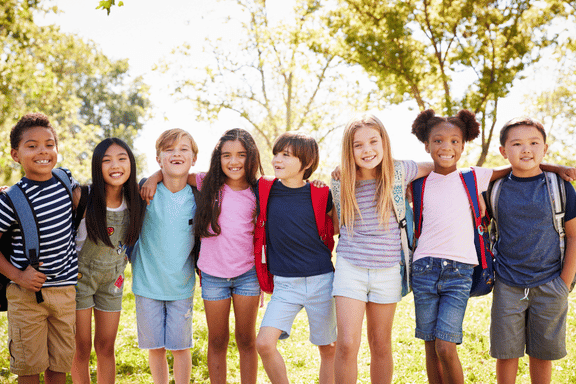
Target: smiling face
column 445, row 145
column 176, row 159
column 524, row 148
column 233, row 161
column 288, row 168
column 37, row 152
column 368, row 151
column 115, row 166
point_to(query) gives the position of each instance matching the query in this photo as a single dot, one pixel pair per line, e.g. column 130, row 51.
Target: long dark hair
column 96, row 206
column 209, row 206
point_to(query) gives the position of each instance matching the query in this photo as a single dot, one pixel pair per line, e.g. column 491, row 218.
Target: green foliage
column 268, row 76
column 108, row 4
column 445, row 55
column 86, row 95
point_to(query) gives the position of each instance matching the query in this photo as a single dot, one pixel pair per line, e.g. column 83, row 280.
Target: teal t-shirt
column 162, row 265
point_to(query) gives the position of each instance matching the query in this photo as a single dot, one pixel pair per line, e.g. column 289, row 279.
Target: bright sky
column 145, row 31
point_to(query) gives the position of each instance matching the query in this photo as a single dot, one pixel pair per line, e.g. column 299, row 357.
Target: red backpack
column 323, row 222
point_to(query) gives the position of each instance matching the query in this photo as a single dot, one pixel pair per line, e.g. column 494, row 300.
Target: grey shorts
column 100, row 285
column 533, row 320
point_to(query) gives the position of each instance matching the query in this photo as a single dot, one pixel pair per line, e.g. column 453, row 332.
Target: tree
column 447, row 54
column 87, row 96
column 268, row 75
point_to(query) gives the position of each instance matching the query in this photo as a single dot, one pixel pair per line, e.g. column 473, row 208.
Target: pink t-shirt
column 447, row 225
column 231, row 253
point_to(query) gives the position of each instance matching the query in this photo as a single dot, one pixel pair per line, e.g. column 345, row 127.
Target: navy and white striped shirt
column 53, row 209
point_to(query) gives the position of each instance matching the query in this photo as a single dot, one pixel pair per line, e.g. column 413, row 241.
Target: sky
column 146, row 31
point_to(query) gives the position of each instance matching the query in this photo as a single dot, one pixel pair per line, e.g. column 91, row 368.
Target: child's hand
column 148, row 190
column 3, row 188
column 31, row 279
column 481, row 205
column 336, row 173
column 567, row 173
column 319, row 184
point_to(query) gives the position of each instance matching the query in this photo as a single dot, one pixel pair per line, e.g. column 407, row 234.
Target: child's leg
column 506, row 370
column 106, row 324
column 158, row 365
column 451, row 367
column 245, row 314
column 266, row 344
column 182, row 366
column 327, row 353
column 433, row 366
column 80, row 364
column 379, row 319
column 540, row 371
column 217, row 319
column 29, row 379
column 349, row 319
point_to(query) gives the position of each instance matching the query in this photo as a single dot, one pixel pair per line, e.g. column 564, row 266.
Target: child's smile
column 233, row 160
column 524, row 148
column 115, row 166
column 445, row 145
column 368, row 151
column 37, row 153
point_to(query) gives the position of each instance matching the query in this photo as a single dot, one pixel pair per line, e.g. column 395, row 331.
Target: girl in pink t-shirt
column 225, row 222
column 445, row 257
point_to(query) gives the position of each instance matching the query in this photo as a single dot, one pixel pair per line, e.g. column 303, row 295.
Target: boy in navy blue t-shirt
column 530, row 303
column 298, row 259
column 41, row 334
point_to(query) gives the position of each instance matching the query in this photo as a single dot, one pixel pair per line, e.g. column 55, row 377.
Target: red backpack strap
column 264, row 187
column 319, row 202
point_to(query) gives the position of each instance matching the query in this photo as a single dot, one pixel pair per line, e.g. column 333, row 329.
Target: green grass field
column 302, row 358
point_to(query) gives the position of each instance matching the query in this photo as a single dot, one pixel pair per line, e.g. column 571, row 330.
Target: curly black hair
column 30, row 120
column 464, row 119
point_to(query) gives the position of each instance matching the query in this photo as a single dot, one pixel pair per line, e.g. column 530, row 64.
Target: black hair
column 30, row 120
column 464, row 119
column 96, row 224
column 209, row 205
column 518, row 121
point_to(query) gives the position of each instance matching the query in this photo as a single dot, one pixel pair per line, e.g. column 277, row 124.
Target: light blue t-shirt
column 162, row 265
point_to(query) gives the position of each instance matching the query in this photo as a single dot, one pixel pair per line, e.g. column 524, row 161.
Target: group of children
column 157, row 224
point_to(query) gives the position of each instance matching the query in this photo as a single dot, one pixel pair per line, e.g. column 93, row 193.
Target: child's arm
column 569, row 268
column 566, row 173
column 334, row 214
column 149, row 187
column 424, row 169
column 29, row 279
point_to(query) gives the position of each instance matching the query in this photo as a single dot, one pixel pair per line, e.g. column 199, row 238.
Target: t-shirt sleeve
column 570, row 201
column 410, row 170
column 483, row 176
column 199, row 178
column 6, row 214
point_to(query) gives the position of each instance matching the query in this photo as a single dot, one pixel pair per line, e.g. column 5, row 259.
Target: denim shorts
column 220, row 288
column 164, row 324
column 441, row 291
column 380, row 286
column 533, row 318
column 314, row 293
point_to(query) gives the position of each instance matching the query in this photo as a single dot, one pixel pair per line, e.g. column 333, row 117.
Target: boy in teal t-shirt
column 163, row 269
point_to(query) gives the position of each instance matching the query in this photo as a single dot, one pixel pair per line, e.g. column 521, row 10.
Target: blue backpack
column 30, row 233
column 483, row 276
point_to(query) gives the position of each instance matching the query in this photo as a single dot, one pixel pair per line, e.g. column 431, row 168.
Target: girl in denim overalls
column 111, row 225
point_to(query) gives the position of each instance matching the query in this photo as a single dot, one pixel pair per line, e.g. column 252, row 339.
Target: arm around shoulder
column 569, row 266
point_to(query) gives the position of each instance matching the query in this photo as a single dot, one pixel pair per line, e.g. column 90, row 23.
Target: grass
column 302, row 358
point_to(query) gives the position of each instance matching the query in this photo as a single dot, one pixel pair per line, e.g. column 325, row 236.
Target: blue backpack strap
column 30, row 232
column 417, row 203
column 468, row 177
column 64, row 179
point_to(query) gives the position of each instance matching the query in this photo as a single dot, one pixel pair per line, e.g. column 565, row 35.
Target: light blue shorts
column 220, row 288
column 164, row 324
column 380, row 286
column 314, row 293
column 441, row 291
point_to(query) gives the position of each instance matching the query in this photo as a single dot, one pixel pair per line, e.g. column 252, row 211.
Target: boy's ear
column 158, row 161
column 503, row 152
column 14, row 154
column 545, row 149
column 194, row 159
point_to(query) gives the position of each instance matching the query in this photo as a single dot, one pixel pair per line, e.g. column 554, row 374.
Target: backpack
column 404, row 216
column 483, row 275
column 556, row 192
column 23, row 213
column 323, row 222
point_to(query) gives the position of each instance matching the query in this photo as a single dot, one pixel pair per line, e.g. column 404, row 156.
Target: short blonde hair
column 171, row 136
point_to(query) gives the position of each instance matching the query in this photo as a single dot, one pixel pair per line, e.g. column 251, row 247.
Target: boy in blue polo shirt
column 530, row 304
column 163, row 269
column 298, row 259
column 41, row 335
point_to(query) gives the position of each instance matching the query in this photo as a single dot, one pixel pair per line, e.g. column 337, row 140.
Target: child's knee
column 445, row 349
column 265, row 344
column 327, row 351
